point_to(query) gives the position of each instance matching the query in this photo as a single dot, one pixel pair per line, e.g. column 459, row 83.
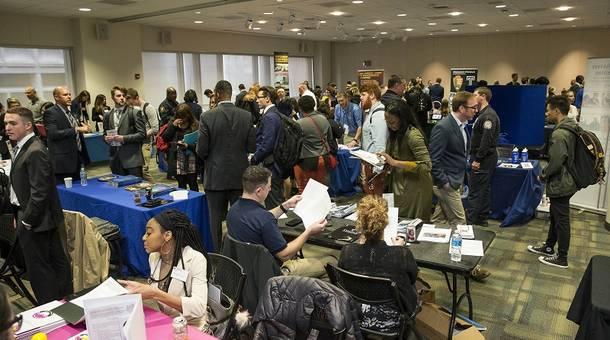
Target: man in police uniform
column 485, row 133
column 167, row 108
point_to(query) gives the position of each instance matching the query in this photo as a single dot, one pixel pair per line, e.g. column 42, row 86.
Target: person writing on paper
column 178, row 262
column 249, row 221
column 182, row 157
column 373, row 257
column 406, row 152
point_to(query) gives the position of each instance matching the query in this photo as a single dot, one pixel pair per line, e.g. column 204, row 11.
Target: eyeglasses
column 474, row 107
column 14, row 324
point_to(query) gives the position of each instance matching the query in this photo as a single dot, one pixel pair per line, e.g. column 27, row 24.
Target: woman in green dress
column 407, row 155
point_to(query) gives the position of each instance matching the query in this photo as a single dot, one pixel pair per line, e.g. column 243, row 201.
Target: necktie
column 74, row 125
column 15, row 151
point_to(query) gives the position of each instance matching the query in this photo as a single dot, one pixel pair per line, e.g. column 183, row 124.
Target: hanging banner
column 280, row 69
column 462, row 77
column 595, row 117
column 370, row 76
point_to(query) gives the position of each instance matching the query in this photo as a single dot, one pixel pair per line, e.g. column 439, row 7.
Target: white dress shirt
column 20, row 144
column 462, row 126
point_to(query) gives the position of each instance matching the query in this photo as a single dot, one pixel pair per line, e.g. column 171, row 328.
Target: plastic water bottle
column 515, row 156
column 179, row 328
column 83, row 177
column 456, row 246
column 524, row 155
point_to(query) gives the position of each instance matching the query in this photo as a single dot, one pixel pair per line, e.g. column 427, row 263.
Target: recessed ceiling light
column 268, row 13
column 279, row 0
column 85, row 9
column 569, row 19
column 455, row 14
column 500, row 6
column 198, row 12
column 360, row 29
column 357, row 2
column 573, row 25
column 513, row 15
column 430, row 33
column 482, row 24
column 401, row 15
column 261, row 22
column 295, row 29
column 564, row 8
column 528, row 26
column 431, row 24
column 256, row 28
column 299, row 33
column 198, row 22
column 497, row 30
column 337, row 13
column 378, row 22
column 454, row 30
column 322, row 21
column 408, row 29
column 384, row 33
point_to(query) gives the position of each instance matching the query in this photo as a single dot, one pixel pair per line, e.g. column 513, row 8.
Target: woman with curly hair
column 249, row 104
column 373, row 257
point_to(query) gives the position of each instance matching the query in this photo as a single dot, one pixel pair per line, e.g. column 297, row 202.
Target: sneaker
column 479, row 274
column 554, row 260
column 541, row 249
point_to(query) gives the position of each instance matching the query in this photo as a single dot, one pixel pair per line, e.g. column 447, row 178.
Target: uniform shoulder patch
column 487, row 124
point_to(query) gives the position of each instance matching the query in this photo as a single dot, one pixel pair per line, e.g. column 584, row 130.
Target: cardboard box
column 433, row 323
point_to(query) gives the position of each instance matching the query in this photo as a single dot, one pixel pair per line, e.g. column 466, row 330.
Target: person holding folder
column 178, row 268
column 181, row 135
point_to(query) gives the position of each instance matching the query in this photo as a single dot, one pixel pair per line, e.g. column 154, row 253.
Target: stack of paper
column 430, row 233
column 340, row 211
column 391, row 230
column 466, row 231
column 315, row 203
column 368, row 157
column 115, row 318
column 40, row 319
column 471, row 248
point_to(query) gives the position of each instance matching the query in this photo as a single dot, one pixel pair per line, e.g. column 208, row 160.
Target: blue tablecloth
column 117, row 206
column 96, row 147
column 344, row 179
column 515, row 194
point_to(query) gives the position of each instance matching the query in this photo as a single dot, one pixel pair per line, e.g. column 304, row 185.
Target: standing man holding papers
column 38, row 215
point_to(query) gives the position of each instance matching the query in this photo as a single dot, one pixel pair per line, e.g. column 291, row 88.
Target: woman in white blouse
column 178, row 268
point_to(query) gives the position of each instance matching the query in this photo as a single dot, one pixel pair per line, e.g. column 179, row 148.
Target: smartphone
column 293, row 222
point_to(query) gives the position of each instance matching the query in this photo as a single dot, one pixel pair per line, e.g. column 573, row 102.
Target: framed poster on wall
column 462, row 77
column 370, row 76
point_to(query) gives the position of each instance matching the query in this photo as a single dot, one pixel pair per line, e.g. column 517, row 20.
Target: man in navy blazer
column 449, row 145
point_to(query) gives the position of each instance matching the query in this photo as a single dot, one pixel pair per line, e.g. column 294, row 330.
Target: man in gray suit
column 128, row 133
column 226, row 136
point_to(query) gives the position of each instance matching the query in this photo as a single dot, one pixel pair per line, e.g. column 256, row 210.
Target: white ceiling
column 231, row 15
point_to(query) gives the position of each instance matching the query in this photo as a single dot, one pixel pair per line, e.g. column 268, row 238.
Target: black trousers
column 559, row 229
column 188, row 179
column 137, row 171
column 276, row 195
column 218, row 205
column 47, row 264
column 478, row 194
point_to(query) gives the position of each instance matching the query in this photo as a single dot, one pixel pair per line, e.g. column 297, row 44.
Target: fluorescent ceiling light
column 528, row 26
column 482, row 24
column 322, row 21
column 85, row 9
column 564, row 8
column 408, row 29
column 454, row 30
column 256, row 28
column 295, row 29
column 401, row 15
column 198, row 22
column 268, row 13
column 360, row 29
column 384, row 33
column 513, row 15
column 198, row 12
column 455, row 14
column 378, row 22
column 431, row 24
column 357, row 2
column 500, row 6
column 569, row 19
column 337, row 13
column 261, row 22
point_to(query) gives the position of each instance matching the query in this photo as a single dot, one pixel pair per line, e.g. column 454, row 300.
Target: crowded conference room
column 320, row 169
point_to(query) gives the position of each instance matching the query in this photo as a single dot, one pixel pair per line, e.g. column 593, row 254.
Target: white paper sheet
column 466, row 231
column 368, row 157
column 115, row 318
column 527, row 165
column 437, row 235
column 282, row 216
column 315, row 203
column 352, row 217
column 107, row 288
column 391, row 229
column 39, row 318
column 389, row 197
column 472, row 247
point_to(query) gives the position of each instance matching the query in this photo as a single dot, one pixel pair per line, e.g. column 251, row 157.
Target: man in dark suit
column 129, row 133
column 395, row 91
column 240, row 97
column 168, row 107
column 37, row 211
column 65, row 137
column 514, row 80
column 226, row 136
column 437, row 92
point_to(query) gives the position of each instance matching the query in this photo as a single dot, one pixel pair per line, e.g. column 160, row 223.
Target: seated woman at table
column 373, row 257
column 181, row 157
column 178, row 262
column 406, row 152
column 9, row 323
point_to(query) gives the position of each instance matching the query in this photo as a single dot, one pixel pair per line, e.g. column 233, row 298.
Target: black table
column 429, row 255
column 591, row 305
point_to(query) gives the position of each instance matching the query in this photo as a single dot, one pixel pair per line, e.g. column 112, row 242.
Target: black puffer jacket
column 287, row 302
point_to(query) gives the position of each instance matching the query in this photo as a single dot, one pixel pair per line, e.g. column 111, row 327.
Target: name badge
column 180, row 274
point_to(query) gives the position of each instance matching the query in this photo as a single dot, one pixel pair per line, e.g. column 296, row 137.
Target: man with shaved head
column 168, row 107
column 65, row 137
column 35, row 103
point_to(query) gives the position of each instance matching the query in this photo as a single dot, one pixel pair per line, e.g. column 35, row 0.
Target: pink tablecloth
column 158, row 327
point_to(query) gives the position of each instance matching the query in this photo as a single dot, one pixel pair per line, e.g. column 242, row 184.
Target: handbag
column 219, row 315
column 331, row 160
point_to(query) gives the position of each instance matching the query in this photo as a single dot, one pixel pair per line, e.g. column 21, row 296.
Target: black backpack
column 588, row 165
column 287, row 151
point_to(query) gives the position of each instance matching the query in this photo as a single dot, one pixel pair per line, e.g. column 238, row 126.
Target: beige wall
column 560, row 55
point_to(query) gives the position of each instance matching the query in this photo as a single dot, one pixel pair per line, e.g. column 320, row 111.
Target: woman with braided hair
column 178, row 263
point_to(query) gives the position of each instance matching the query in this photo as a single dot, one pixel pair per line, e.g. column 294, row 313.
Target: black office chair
column 375, row 291
column 9, row 273
column 230, row 276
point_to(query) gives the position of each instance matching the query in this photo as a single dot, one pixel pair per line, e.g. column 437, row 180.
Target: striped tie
column 74, row 125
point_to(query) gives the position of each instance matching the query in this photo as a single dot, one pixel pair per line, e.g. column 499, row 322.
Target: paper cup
column 68, row 182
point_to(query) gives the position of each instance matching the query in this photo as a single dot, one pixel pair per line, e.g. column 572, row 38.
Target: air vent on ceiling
column 534, row 10
column 457, row 23
column 439, row 17
column 439, row 6
column 438, row 31
column 333, row 4
column 550, row 24
column 118, row 2
column 231, row 17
